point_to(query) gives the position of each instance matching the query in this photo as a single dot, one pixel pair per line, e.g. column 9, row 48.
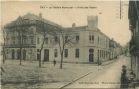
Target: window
column 13, row 54
column 91, row 38
column 30, row 51
column 18, row 54
column 14, row 42
column 13, row 38
column 46, row 40
column 77, row 53
column 32, row 41
column 24, row 40
column 99, row 53
column 66, row 38
column 66, row 53
column 77, row 38
column 38, row 56
column 91, row 50
column 104, row 54
column 137, row 27
column 56, row 39
column 38, row 40
column 98, row 39
column 55, row 53
column 38, row 50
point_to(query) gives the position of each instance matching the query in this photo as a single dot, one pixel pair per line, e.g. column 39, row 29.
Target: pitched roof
column 31, row 16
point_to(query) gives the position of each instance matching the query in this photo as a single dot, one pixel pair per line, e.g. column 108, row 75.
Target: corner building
column 92, row 46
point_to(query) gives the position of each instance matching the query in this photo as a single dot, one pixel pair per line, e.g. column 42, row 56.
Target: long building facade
column 134, row 43
column 25, row 36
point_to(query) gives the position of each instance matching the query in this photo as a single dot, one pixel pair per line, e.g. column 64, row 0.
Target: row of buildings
column 25, row 37
column 134, row 43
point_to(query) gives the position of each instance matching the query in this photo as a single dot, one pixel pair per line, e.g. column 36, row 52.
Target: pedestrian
column 54, row 62
column 124, row 79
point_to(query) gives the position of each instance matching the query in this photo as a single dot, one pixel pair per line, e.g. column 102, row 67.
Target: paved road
column 107, row 78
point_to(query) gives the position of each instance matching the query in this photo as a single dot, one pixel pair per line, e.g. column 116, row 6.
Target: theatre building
column 24, row 37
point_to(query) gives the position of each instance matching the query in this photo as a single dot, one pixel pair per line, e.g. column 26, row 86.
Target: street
column 107, row 78
column 29, row 75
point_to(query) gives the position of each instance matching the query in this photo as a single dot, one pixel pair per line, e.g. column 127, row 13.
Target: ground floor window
column 24, row 54
column 77, row 53
column 18, row 54
column 13, row 54
column 38, row 56
column 66, row 53
column 55, row 53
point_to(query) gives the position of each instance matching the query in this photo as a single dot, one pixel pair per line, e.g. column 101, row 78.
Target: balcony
column 18, row 46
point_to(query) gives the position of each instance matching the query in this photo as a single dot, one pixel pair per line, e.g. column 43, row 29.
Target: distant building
column 134, row 43
column 26, row 33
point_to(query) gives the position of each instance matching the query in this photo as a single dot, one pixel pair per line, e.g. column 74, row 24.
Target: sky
column 108, row 13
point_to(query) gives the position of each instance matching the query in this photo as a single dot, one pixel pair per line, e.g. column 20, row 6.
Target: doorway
column 91, row 55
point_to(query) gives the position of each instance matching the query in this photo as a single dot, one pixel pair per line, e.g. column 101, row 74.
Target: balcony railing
column 18, row 46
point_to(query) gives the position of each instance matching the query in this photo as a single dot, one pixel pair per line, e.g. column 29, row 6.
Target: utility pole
column 120, row 9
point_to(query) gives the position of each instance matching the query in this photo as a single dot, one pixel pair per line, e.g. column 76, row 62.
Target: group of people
column 127, row 82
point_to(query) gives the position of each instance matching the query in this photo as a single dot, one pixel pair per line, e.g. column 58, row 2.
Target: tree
column 20, row 33
column 42, row 46
column 45, row 30
column 4, row 42
column 64, row 38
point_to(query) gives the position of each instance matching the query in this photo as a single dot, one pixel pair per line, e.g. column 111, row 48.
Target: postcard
column 69, row 44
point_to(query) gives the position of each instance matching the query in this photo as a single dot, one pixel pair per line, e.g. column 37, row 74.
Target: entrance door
column 91, row 55
column 24, row 54
column 46, row 54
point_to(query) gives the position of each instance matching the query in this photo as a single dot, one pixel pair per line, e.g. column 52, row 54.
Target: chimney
column 73, row 25
column 40, row 15
column 92, row 22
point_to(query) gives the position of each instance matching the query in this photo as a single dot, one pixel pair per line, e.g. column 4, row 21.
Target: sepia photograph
column 69, row 44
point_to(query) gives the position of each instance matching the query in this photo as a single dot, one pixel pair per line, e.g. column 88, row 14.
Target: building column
column 137, row 60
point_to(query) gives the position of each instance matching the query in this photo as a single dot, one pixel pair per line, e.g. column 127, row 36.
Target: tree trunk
column 20, row 56
column 61, row 63
column 40, row 60
column 21, row 44
column 3, row 55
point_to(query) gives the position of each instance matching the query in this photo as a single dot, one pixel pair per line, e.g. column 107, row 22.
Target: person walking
column 124, row 78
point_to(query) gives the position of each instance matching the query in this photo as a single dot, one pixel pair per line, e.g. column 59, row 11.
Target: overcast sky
column 107, row 11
